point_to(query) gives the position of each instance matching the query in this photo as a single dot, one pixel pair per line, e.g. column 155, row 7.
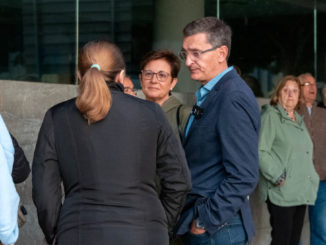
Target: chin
column 195, row 77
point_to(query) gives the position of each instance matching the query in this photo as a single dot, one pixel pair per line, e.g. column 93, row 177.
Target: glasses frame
column 183, row 53
column 128, row 89
column 306, row 84
column 155, row 73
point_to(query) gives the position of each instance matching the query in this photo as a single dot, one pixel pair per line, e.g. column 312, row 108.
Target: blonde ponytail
column 94, row 97
column 99, row 62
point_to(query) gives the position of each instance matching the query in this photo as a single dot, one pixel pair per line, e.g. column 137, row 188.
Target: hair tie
column 96, row 66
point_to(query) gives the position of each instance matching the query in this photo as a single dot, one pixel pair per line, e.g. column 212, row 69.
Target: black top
column 108, row 171
column 21, row 168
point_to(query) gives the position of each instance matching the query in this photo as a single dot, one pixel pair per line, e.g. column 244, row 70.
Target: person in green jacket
column 288, row 180
column 159, row 75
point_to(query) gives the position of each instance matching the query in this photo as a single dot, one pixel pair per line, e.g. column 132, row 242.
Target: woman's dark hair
column 166, row 55
column 276, row 95
column 94, row 97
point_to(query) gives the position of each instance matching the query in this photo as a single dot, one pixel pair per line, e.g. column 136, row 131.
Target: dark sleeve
column 238, row 130
column 21, row 168
column 46, row 179
column 172, row 170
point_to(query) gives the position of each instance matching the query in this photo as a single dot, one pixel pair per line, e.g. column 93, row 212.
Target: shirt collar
column 210, row 85
column 203, row 90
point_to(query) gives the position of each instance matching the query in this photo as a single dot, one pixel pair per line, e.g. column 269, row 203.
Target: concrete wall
column 23, row 107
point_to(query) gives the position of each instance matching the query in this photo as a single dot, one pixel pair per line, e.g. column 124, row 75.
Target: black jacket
column 108, row 170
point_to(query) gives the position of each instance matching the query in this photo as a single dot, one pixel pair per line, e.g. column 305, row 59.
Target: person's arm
column 21, row 168
column 238, row 130
column 270, row 165
column 9, row 201
column 47, row 179
column 172, row 170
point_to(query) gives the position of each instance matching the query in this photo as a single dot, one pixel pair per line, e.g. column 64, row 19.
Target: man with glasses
column 315, row 118
column 221, row 141
column 128, row 87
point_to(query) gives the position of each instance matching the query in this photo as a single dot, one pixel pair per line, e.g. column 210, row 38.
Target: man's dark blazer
column 222, row 153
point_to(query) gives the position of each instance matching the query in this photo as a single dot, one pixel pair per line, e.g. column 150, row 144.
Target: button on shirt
column 202, row 92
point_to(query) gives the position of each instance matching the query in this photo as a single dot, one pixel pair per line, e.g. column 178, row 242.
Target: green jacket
column 170, row 108
column 285, row 145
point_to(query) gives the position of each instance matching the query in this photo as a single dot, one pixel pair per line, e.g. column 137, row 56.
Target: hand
column 282, row 183
column 195, row 230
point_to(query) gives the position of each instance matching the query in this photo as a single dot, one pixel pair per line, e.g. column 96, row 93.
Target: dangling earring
column 170, row 92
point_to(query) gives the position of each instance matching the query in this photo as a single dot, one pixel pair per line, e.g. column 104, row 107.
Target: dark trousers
column 287, row 223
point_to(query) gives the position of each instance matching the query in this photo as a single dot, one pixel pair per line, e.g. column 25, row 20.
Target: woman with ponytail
column 107, row 147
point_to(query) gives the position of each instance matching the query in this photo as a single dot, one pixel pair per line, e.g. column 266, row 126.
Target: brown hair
column 218, row 33
column 166, row 55
column 276, row 95
column 94, row 97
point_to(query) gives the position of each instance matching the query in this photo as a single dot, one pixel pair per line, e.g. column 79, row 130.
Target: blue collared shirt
column 202, row 92
column 309, row 110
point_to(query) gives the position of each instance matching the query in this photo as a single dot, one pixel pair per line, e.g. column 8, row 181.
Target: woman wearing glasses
column 159, row 75
column 107, row 148
column 288, row 180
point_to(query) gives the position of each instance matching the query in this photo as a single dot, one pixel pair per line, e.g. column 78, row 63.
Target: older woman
column 288, row 178
column 159, row 75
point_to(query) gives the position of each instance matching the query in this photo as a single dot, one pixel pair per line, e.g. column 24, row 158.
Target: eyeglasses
column 195, row 54
column 161, row 75
column 307, row 84
column 129, row 90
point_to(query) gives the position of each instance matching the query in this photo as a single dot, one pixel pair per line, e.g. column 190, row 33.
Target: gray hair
column 218, row 32
column 303, row 75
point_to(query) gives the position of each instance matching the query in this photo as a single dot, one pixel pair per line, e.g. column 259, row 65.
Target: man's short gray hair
column 218, row 32
column 304, row 75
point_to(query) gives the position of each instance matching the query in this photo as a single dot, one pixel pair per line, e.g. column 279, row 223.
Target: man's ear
column 120, row 77
column 222, row 53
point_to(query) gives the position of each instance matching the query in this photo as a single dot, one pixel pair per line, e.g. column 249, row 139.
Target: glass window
column 42, row 36
column 270, row 38
column 274, row 38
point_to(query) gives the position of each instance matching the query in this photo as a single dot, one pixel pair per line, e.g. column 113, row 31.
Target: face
column 289, row 95
column 309, row 89
column 128, row 86
column 153, row 89
column 208, row 64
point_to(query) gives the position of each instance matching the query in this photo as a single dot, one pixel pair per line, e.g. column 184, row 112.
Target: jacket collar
column 228, row 76
column 115, row 86
column 170, row 103
column 285, row 116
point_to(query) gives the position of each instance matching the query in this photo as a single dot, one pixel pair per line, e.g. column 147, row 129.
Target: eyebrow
column 191, row 49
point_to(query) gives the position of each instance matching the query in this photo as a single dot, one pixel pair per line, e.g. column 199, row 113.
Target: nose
column 188, row 61
column 154, row 78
